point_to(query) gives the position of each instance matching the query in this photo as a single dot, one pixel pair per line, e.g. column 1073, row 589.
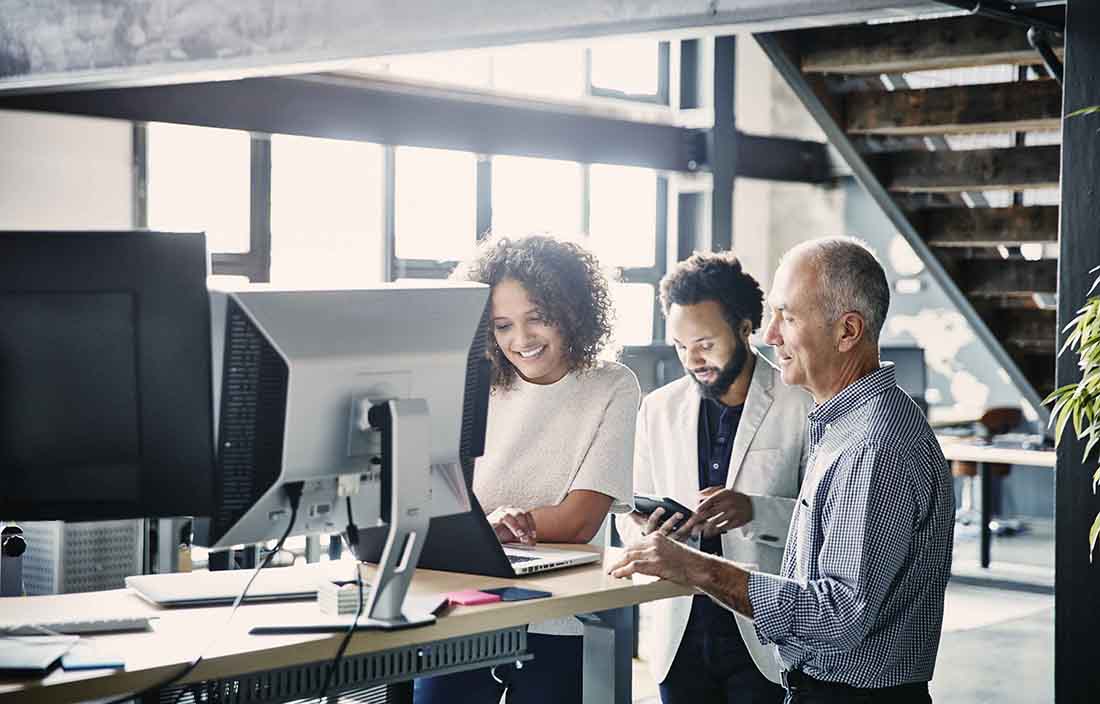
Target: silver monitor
column 366, row 397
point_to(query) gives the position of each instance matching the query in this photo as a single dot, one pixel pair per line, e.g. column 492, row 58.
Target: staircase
column 952, row 124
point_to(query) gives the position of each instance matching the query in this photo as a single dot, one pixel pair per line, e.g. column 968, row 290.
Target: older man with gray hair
column 857, row 607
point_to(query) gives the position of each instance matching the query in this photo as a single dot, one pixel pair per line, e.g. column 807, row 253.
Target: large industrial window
column 198, row 181
column 326, row 212
column 537, row 195
column 435, row 204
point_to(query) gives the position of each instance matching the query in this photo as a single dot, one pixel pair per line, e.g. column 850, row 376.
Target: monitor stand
column 406, row 424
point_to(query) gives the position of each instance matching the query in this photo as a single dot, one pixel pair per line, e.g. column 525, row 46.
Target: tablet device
column 646, row 505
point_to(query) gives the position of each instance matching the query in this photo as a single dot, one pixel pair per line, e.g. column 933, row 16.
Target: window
column 435, row 204
column 547, row 70
column 326, row 212
column 626, row 66
column 537, row 195
column 623, row 215
column 633, row 313
column 198, row 181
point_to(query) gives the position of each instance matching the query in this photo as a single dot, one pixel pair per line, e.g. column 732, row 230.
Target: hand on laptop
column 513, row 525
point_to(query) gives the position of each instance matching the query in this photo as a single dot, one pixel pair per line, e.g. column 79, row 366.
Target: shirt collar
column 854, row 395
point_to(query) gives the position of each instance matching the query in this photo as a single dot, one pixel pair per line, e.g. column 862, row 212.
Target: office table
column 238, row 667
column 985, row 455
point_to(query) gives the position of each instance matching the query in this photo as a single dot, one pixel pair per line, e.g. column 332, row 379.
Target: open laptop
column 467, row 543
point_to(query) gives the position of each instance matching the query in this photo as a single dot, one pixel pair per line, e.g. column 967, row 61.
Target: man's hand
column 660, row 556
column 513, row 525
column 719, row 510
column 657, row 523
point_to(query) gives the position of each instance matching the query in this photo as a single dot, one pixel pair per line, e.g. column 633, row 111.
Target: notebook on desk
column 466, row 543
column 222, row 587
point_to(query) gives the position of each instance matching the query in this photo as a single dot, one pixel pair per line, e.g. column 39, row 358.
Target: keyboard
column 77, row 626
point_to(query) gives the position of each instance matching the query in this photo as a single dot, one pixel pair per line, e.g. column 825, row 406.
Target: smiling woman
column 559, row 439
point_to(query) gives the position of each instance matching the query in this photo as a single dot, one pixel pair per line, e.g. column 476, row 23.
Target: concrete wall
column 60, row 172
column 771, row 217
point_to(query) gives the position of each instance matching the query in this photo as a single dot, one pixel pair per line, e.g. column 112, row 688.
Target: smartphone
column 646, row 505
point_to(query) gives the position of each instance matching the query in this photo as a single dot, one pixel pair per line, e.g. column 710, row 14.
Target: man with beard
column 728, row 440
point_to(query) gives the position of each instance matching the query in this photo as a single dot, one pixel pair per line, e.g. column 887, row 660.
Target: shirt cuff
column 772, row 600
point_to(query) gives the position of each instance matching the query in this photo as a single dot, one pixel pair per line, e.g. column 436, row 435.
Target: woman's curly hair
column 563, row 279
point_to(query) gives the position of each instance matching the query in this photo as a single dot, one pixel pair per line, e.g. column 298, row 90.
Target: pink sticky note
column 471, row 597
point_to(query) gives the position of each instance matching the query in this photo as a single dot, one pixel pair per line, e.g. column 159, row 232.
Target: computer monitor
column 369, row 397
column 910, row 371
column 105, row 395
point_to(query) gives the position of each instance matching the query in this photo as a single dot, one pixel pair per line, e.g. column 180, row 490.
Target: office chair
column 995, row 421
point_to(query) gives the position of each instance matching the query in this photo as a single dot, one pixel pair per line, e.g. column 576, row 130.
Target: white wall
column 770, row 217
column 64, row 173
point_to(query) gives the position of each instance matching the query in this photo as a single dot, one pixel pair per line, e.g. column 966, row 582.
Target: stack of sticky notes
column 339, row 597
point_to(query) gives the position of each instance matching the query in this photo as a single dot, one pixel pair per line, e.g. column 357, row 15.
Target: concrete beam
column 47, row 44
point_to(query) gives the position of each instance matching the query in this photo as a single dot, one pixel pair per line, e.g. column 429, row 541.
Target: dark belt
column 799, row 681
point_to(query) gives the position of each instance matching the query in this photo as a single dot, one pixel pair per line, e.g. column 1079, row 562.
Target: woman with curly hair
column 559, row 439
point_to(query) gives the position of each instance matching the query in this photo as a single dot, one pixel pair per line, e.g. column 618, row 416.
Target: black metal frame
column 1076, row 577
column 470, row 121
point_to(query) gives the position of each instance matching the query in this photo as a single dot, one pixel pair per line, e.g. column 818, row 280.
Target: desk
column 984, row 456
column 278, row 668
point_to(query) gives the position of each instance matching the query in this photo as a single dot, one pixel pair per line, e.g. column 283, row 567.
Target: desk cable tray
column 360, row 677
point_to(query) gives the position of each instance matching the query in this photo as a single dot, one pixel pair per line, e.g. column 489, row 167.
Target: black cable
column 353, row 541
column 294, row 494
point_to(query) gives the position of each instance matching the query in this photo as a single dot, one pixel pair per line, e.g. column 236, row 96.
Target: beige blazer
column 766, row 464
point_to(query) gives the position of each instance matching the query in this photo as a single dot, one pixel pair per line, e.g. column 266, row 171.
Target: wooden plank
column 1026, row 106
column 988, row 227
column 1027, row 331
column 900, row 47
column 1014, row 169
column 1007, row 277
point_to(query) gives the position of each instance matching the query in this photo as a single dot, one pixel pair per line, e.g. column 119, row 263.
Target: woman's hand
column 513, row 525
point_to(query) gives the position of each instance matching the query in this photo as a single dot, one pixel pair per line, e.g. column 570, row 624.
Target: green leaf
column 1084, row 111
column 1094, row 531
column 1095, row 479
column 1084, row 458
column 1062, row 420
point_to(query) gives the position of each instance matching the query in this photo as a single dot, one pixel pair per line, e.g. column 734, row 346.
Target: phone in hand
column 646, row 505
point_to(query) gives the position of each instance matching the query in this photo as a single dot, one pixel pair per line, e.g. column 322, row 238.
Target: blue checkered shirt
column 859, row 598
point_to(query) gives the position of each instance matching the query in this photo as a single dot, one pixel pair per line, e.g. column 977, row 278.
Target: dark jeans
column 554, row 676
column 812, row 692
column 713, row 666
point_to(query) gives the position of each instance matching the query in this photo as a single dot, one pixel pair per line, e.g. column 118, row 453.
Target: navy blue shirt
column 717, row 428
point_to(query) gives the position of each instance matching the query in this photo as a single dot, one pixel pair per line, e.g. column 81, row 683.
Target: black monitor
column 910, row 370
column 105, row 376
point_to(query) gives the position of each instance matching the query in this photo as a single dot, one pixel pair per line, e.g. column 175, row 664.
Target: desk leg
column 608, row 636
column 987, row 510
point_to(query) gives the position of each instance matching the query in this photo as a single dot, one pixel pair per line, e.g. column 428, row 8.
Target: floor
column 998, row 632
